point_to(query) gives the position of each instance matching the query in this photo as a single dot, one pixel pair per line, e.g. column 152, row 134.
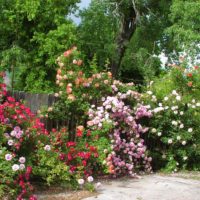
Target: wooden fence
column 36, row 101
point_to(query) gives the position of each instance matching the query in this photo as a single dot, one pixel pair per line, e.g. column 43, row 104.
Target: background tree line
column 124, row 36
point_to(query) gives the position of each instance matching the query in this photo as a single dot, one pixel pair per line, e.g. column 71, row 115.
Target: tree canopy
column 33, row 34
column 125, row 36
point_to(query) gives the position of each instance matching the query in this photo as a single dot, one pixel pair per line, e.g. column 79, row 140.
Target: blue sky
column 83, row 4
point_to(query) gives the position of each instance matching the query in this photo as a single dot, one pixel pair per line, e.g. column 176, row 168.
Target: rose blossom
column 13, row 133
column 10, row 142
column 178, row 98
column 81, row 181
column 90, row 179
column 47, row 148
column 170, row 141
column 21, row 166
column 8, row 157
column 153, row 130
column 184, row 142
column 181, row 126
column 181, row 113
column 185, row 158
column 22, row 160
column 15, row 167
column 159, row 134
column 190, row 130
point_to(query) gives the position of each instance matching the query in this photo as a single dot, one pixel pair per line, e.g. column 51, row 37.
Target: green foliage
column 50, row 168
column 185, row 22
column 182, row 35
column 97, row 32
column 32, row 37
column 174, row 139
column 179, row 78
column 139, row 62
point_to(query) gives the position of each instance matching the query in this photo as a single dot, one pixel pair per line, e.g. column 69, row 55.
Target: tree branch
column 136, row 12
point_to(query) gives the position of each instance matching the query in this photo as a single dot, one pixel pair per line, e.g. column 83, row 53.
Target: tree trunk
column 127, row 28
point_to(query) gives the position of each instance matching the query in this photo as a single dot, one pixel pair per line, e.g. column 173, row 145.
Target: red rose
column 189, row 75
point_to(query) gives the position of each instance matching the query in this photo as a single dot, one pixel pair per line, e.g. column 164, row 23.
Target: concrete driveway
column 150, row 187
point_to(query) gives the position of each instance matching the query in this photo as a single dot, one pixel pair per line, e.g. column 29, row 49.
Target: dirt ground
column 180, row 186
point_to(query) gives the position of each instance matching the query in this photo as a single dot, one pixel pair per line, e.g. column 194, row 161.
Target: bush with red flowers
column 19, row 132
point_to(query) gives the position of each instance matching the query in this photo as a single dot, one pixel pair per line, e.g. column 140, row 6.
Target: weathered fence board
column 35, row 102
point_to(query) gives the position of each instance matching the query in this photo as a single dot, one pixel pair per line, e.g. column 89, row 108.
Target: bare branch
column 136, row 12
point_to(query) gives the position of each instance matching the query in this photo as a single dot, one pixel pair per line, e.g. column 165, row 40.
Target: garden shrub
column 124, row 151
column 19, row 130
column 173, row 139
column 79, row 90
column 115, row 129
column 29, row 153
column 183, row 78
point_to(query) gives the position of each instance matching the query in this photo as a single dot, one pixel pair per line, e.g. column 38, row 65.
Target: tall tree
column 97, row 32
column 33, row 33
column 136, row 33
column 128, row 19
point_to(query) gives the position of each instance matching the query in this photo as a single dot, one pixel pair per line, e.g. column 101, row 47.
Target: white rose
column 153, row 130
column 175, row 123
column 170, row 141
column 181, row 113
column 178, row 98
column 21, row 166
column 10, row 142
column 166, row 98
column 174, row 92
column 193, row 101
column 159, row 134
column 15, row 167
column 181, row 126
column 47, row 148
column 13, row 133
column 81, row 181
column 190, row 130
column 149, row 92
column 185, row 158
column 175, row 112
column 184, row 143
column 90, row 179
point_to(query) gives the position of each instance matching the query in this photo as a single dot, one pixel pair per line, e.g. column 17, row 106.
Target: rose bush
column 124, row 151
column 173, row 139
column 29, row 153
column 19, row 130
column 113, row 129
column 77, row 90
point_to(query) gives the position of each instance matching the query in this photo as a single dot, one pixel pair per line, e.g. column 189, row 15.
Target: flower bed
column 116, row 130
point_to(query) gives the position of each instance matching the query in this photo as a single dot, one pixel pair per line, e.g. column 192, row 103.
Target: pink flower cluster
column 143, row 111
column 2, row 85
column 128, row 151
